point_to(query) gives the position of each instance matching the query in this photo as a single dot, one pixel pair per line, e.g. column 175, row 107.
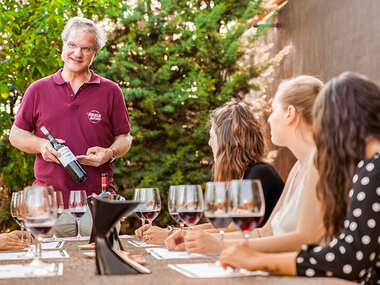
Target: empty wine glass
column 246, row 205
column 78, row 206
column 21, row 203
column 137, row 198
column 216, row 206
column 151, row 206
column 190, row 204
column 15, row 211
column 59, row 201
column 39, row 213
column 173, row 204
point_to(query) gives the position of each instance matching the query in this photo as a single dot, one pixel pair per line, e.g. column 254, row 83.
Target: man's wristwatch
column 113, row 157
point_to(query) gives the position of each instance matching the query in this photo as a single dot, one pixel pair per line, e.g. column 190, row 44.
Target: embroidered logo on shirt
column 94, row 116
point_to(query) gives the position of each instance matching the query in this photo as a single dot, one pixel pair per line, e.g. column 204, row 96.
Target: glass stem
column 221, row 240
column 181, row 225
column 78, row 226
column 39, row 243
column 246, row 237
column 29, row 243
column 22, row 232
column 150, row 224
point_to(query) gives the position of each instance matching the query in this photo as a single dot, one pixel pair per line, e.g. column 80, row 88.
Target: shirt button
column 71, row 95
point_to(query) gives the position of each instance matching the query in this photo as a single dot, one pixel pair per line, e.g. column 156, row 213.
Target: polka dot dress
column 355, row 254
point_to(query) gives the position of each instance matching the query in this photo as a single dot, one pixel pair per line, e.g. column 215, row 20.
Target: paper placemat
column 25, row 271
column 48, row 245
column 163, row 253
column 125, row 236
column 138, row 243
column 212, row 270
column 67, row 239
column 45, row 254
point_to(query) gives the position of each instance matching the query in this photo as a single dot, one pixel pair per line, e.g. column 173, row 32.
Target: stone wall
column 323, row 38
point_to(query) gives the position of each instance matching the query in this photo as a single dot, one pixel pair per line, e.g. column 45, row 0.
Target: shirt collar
column 57, row 78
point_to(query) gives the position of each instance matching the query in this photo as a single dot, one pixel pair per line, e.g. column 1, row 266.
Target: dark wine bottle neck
column 51, row 139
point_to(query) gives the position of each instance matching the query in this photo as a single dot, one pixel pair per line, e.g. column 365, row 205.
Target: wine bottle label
column 66, row 156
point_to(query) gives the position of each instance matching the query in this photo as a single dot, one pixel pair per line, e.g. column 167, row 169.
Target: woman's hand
column 11, row 241
column 140, row 231
column 155, row 235
column 240, row 256
column 17, row 233
column 202, row 242
column 175, row 241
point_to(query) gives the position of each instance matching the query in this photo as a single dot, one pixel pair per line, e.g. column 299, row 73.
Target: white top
column 286, row 219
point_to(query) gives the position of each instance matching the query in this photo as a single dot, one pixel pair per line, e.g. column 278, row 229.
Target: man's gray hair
column 88, row 26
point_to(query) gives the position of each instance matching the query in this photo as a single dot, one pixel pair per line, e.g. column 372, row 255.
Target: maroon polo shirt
column 93, row 116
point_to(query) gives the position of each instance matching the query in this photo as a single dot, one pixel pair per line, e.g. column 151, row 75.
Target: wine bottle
column 67, row 159
column 104, row 182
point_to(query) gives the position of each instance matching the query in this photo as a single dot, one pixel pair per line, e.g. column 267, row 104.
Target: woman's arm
column 242, row 256
column 309, row 228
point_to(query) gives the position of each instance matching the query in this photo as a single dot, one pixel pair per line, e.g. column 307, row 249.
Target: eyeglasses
column 85, row 50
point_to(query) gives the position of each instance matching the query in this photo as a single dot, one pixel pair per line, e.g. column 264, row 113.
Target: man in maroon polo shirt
column 85, row 111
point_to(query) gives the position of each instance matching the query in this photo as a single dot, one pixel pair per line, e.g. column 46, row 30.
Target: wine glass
column 59, row 201
column 216, row 206
column 137, row 198
column 173, row 204
column 246, row 205
column 15, row 211
column 21, row 203
column 151, row 206
column 190, row 204
column 78, row 206
column 39, row 213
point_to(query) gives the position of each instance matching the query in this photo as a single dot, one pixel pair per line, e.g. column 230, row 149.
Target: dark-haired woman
column 347, row 135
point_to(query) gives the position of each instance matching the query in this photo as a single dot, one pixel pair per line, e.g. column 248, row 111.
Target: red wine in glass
column 246, row 205
column 220, row 222
column 140, row 215
column 78, row 206
column 78, row 214
column 246, row 223
column 150, row 215
column 40, row 227
column 191, row 218
column 176, row 217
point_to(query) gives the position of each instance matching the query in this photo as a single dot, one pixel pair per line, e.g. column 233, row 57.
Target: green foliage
column 174, row 60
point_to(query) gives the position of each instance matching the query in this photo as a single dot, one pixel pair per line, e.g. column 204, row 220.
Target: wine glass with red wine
column 246, row 205
column 216, row 206
column 59, row 201
column 151, row 206
column 78, row 206
column 39, row 214
column 190, row 204
column 172, row 204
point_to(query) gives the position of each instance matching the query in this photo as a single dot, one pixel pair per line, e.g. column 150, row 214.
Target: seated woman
column 291, row 223
column 238, row 147
column 12, row 240
column 347, row 135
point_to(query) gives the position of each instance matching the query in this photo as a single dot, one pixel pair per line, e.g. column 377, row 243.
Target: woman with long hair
column 238, row 147
column 290, row 224
column 347, row 135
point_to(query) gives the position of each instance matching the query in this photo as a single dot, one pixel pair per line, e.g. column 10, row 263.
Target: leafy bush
column 174, row 60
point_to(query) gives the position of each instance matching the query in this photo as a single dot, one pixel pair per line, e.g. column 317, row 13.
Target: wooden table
column 80, row 269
